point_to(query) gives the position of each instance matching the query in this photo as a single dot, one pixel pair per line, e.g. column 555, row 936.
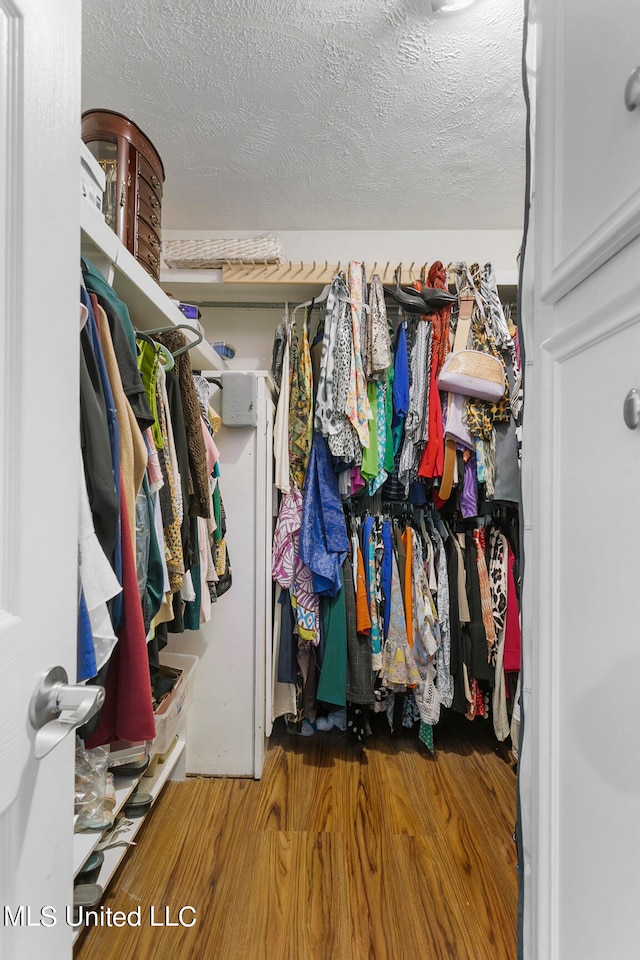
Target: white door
column 580, row 769
column 39, row 284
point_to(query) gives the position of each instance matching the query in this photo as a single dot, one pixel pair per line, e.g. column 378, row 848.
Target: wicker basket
column 210, row 254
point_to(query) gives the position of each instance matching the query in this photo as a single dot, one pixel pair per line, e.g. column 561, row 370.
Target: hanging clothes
column 324, row 543
column 127, row 712
column 133, row 449
column 378, row 358
column 124, row 341
column 198, row 500
column 333, row 676
column 399, row 669
column 300, row 425
column 98, row 582
column 411, row 614
column 498, row 553
column 358, row 406
column 281, row 425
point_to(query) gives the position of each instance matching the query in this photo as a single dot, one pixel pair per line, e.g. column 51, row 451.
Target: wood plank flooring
column 338, row 853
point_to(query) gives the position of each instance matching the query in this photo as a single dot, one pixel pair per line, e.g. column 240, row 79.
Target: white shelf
column 148, row 304
column 85, row 843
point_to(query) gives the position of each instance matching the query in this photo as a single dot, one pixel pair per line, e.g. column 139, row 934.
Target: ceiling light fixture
column 450, row 6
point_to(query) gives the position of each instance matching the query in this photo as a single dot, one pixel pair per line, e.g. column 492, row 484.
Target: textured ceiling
column 319, row 114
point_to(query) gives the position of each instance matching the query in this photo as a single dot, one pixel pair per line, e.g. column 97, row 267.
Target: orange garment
column 363, row 616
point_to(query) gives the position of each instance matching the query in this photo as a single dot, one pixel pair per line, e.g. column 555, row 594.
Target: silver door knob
column 632, row 90
column 631, row 409
column 57, row 707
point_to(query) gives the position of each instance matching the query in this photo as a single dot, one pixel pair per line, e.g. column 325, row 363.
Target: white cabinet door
column 39, row 339
column 581, row 477
column 596, row 655
column 589, row 139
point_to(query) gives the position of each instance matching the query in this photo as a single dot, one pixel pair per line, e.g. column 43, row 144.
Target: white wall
column 250, row 331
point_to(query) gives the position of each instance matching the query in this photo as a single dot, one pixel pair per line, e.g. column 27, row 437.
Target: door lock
column 632, row 90
column 631, row 409
column 57, row 707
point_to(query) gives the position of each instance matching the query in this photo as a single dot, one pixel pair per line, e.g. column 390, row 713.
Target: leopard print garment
column 480, row 415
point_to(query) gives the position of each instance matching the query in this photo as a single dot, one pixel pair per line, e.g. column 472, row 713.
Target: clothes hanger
column 168, row 362
column 342, row 297
column 311, row 303
column 181, row 326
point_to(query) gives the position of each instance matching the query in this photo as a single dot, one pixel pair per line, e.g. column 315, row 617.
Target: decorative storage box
column 170, row 713
column 92, row 178
column 211, row 254
column 134, row 178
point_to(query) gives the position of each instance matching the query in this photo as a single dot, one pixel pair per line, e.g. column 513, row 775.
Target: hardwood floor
column 338, row 853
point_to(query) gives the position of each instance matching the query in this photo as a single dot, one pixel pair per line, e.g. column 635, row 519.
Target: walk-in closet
column 317, row 627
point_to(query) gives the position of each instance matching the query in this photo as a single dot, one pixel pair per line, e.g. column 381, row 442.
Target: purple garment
column 324, row 543
column 357, row 483
column 288, row 570
column 285, row 538
column 469, row 492
column 401, row 375
column 386, row 574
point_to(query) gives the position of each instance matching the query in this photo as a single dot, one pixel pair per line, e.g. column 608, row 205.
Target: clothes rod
column 238, row 304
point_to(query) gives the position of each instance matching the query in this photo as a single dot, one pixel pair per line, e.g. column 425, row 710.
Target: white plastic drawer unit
column 171, row 711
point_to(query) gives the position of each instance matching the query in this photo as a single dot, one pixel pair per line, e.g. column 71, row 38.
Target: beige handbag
column 470, row 372
column 456, row 431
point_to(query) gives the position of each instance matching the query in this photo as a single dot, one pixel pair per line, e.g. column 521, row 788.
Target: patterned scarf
column 199, row 498
column 357, row 406
column 485, row 598
column 444, row 680
column 378, row 342
column 300, row 407
column 498, row 580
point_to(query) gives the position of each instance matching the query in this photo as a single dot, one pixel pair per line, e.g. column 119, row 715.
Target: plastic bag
column 94, row 788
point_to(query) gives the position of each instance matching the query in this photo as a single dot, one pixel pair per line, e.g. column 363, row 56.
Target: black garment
column 360, row 677
column 277, row 357
column 182, row 454
column 166, row 503
column 288, row 656
column 96, row 450
column 476, row 646
column 457, row 641
column 161, row 640
column 392, row 489
column 310, row 674
column 180, row 440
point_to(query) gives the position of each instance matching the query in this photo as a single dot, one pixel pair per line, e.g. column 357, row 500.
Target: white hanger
column 323, row 296
column 319, row 299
